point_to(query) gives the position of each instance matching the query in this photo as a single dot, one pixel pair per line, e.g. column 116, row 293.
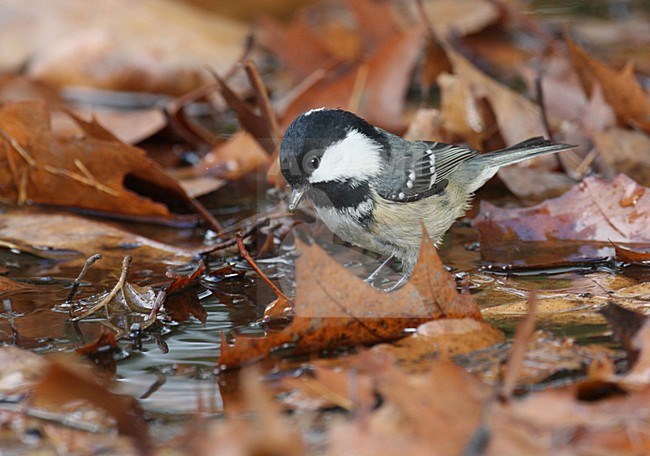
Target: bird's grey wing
column 421, row 170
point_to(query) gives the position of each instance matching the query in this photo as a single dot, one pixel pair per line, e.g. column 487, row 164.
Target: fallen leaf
column 375, row 89
column 101, row 351
column 621, row 89
column 518, row 118
column 625, row 151
column 435, row 412
column 130, row 127
column 461, row 17
column 450, row 336
column 631, row 256
column 594, row 210
column 234, row 159
column 60, row 385
column 264, row 430
column 73, row 238
column 109, row 45
column 534, row 184
column 22, row 370
column 334, row 308
column 626, row 324
column 323, row 387
column 73, row 172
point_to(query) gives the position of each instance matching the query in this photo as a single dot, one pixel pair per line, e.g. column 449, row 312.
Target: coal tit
column 373, row 189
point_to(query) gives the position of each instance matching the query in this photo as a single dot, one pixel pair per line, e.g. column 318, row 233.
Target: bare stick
column 75, row 286
column 247, row 257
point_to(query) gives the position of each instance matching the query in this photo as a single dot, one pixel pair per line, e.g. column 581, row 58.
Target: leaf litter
column 426, row 368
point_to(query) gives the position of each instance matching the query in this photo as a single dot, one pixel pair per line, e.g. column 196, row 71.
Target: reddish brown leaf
column 562, row 228
column 631, row 256
column 101, row 351
column 374, row 89
column 61, row 385
column 621, row 89
column 87, row 173
column 334, row 308
column 626, row 324
column 234, row 159
column 181, row 282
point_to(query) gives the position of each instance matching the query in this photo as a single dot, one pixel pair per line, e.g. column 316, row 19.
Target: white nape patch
column 312, row 111
column 355, row 157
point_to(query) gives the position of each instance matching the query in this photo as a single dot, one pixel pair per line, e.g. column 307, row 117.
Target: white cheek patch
column 355, row 157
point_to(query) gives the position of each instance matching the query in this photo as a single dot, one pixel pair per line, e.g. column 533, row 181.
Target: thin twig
column 126, row 266
column 357, row 89
column 244, row 253
column 263, row 101
column 519, row 348
column 75, row 286
column 212, row 222
column 539, row 93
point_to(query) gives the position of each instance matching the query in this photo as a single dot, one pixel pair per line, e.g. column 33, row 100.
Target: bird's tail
column 482, row 167
column 519, row 152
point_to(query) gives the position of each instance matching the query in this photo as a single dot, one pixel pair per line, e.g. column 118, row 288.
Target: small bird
column 373, row 189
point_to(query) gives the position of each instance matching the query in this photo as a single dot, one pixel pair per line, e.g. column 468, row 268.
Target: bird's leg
column 399, row 284
column 371, row 278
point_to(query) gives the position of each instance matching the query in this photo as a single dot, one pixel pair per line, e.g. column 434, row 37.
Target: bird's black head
column 331, row 155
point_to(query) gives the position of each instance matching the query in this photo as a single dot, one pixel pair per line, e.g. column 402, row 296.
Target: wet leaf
column 415, row 417
column 60, row 385
column 621, row 89
column 595, row 210
column 323, row 387
column 333, row 308
column 631, row 256
column 626, row 324
column 73, row 172
column 447, row 336
column 101, row 351
column 73, row 238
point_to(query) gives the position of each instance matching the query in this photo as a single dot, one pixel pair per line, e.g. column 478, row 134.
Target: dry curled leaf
column 96, row 172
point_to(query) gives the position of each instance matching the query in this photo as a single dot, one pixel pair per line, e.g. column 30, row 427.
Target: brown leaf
column 631, row 256
column 108, row 45
column 183, row 305
column 60, row 385
column 625, row 324
column 517, row 117
column 234, row 159
column 101, row 351
column 129, row 127
column 334, row 308
column 621, row 89
column 450, row 336
column 375, row 89
column 69, row 237
column 435, row 412
column 625, row 151
column 74, row 172
column 593, row 210
column 323, row 387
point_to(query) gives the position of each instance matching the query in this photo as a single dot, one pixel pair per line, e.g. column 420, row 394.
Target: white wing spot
column 409, row 184
column 401, row 195
column 432, row 167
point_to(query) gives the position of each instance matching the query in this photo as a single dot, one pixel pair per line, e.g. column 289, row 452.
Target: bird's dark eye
column 313, row 163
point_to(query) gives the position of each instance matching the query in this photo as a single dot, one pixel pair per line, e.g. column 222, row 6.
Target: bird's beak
column 296, row 195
